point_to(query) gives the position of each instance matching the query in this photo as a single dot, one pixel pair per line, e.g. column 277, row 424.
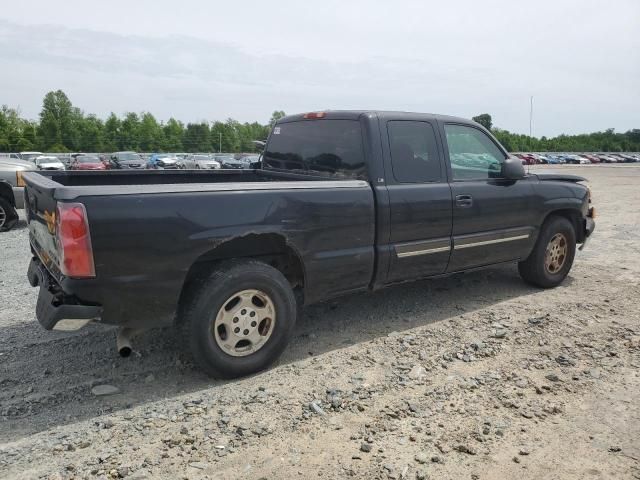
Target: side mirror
column 512, row 169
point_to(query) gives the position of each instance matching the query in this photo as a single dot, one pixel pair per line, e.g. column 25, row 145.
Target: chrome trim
column 491, row 242
column 423, row 247
column 425, row 251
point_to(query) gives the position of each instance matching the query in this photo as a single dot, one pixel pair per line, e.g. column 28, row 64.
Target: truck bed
column 150, row 229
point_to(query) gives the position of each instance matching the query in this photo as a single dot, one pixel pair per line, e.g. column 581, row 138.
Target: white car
column 204, row 162
column 29, row 156
column 48, row 162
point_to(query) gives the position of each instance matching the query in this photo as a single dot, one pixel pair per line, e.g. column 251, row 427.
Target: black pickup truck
column 343, row 201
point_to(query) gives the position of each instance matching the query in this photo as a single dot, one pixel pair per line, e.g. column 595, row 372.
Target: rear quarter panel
column 145, row 244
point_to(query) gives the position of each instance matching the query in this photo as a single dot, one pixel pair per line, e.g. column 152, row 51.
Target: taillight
column 315, row 115
column 74, row 241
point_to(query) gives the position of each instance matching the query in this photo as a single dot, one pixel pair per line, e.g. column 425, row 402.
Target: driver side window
column 472, row 153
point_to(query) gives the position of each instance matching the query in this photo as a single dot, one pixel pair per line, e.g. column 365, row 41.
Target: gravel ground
column 478, row 376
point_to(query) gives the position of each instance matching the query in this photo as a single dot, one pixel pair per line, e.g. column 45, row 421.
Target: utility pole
column 220, row 143
column 531, row 118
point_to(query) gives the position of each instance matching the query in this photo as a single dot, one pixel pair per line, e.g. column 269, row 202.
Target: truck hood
column 559, row 177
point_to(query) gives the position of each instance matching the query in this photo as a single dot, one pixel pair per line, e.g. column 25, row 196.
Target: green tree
column 111, row 133
column 484, row 119
column 129, row 132
column 56, row 120
column 91, row 131
column 173, row 133
column 197, row 138
column 275, row 116
column 150, row 134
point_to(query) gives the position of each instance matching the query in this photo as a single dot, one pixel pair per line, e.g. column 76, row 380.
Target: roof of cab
column 383, row 114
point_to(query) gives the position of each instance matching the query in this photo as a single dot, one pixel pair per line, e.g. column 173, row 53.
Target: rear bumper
column 54, row 309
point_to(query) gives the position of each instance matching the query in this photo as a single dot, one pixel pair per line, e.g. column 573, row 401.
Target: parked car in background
column 11, row 190
column 87, row 162
column 527, row 158
column 199, row 161
column 591, row 157
column 125, row 161
column 627, row 158
column 163, row 161
column 575, row 159
column 29, row 156
column 48, row 162
column 251, row 161
column 229, row 161
column 604, row 158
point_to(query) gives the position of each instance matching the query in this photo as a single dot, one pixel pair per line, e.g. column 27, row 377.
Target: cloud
column 459, row 61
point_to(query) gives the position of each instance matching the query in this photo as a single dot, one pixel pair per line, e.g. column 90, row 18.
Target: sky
column 205, row 60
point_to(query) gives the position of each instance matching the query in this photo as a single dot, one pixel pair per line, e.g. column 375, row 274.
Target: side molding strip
column 423, row 247
column 490, row 242
column 426, row 251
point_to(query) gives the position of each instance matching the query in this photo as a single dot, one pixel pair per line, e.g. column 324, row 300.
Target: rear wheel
column 238, row 320
column 553, row 254
column 8, row 215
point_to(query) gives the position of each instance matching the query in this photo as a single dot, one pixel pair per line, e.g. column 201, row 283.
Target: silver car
column 200, row 161
column 11, row 190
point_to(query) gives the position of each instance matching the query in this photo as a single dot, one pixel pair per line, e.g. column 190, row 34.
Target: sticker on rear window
column 276, row 131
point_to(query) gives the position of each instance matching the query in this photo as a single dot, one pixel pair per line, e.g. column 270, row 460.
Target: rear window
column 329, row 147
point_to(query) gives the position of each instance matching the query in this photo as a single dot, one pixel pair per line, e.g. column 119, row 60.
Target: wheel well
column 6, row 192
column 271, row 249
column 574, row 216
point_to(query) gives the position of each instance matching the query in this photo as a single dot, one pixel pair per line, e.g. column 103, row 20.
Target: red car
column 592, row 158
column 87, row 162
column 526, row 158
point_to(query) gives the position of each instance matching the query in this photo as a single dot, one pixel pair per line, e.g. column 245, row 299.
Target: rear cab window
column 327, row 147
column 414, row 152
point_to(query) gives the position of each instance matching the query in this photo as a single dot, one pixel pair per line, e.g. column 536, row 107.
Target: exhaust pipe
column 123, row 340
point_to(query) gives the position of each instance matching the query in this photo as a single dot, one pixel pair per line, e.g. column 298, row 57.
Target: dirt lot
column 475, row 377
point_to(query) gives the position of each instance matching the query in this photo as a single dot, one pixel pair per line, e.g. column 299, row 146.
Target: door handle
column 464, row 201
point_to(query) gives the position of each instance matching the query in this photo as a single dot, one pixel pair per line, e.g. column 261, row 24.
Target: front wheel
column 239, row 319
column 8, row 215
column 552, row 255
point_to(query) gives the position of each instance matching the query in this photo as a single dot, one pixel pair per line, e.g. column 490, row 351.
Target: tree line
column 62, row 127
column 607, row 141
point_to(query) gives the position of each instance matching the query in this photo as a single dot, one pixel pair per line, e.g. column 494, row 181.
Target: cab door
column 493, row 218
column 420, row 202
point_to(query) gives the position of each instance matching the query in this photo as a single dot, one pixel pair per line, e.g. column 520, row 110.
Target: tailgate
column 40, row 207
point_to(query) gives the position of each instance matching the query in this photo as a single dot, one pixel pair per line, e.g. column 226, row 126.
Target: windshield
column 201, row 157
column 128, row 156
column 46, row 160
column 331, row 147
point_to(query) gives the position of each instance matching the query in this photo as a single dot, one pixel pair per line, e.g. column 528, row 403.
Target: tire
column 543, row 271
column 211, row 298
column 8, row 215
